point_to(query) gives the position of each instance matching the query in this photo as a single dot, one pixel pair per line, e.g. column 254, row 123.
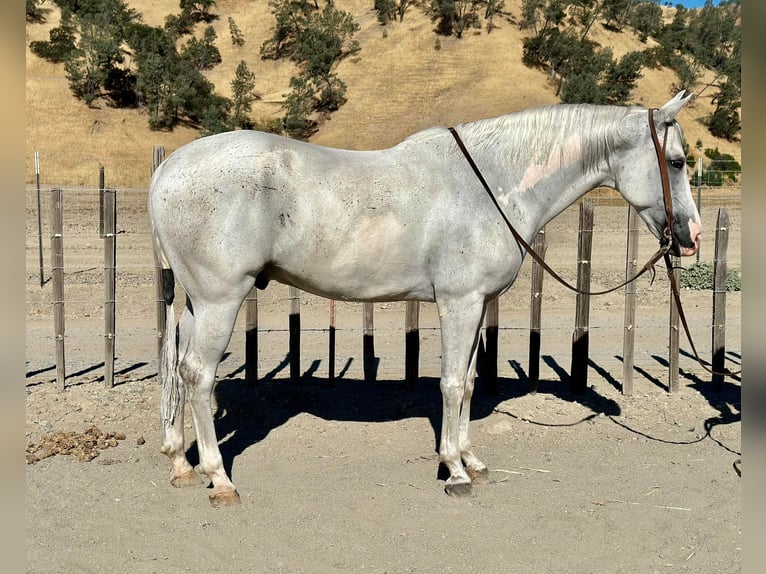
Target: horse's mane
column 531, row 135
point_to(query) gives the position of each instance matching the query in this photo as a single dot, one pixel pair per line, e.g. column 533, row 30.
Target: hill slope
column 398, row 84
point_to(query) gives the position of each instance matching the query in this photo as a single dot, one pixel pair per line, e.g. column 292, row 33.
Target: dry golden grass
column 398, row 84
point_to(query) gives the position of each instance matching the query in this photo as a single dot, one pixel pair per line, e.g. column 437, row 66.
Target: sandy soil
column 346, row 479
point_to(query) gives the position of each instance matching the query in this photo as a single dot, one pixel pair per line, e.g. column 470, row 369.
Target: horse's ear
column 667, row 112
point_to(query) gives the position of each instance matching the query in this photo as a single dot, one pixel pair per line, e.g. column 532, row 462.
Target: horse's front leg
column 475, row 468
column 460, row 320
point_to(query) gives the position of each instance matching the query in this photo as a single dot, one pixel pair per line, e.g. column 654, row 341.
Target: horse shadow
column 247, row 413
column 725, row 397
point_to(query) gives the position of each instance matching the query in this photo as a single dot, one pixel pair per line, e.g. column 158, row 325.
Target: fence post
column 368, row 344
column 39, row 220
column 57, row 273
column 489, row 365
column 720, row 268
column 295, row 334
column 540, row 245
column 628, row 341
column 101, row 202
column 673, row 344
column 158, row 155
column 411, row 343
column 251, row 337
column 110, row 290
column 699, row 196
column 331, row 345
column 580, row 337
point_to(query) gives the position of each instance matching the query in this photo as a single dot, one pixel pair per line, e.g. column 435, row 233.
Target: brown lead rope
column 662, row 252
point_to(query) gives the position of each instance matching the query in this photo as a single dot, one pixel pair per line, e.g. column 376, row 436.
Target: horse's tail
column 168, row 364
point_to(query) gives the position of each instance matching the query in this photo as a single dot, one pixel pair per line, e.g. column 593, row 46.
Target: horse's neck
column 541, row 191
column 563, row 189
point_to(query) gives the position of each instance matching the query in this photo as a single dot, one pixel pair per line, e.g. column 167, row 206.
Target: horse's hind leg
column 173, row 446
column 212, row 327
column 475, row 468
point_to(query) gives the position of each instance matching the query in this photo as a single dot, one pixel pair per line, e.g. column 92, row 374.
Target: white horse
column 412, row 222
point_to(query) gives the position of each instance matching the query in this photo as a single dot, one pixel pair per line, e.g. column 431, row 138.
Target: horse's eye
column 678, row 163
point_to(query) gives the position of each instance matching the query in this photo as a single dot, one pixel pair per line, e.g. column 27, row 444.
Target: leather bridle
column 665, row 241
column 664, row 178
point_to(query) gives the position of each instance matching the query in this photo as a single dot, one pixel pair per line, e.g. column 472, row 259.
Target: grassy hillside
column 398, row 84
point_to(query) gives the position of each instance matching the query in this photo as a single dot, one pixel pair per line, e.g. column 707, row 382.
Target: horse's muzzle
column 687, row 242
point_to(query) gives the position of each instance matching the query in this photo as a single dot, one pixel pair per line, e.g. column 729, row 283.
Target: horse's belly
column 347, row 277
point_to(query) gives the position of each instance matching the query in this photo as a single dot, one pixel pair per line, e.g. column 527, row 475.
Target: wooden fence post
column 57, row 275
column 673, row 344
column 540, row 245
column 628, row 341
column 331, row 346
column 489, row 365
column 158, row 155
column 39, row 220
column 101, row 204
column 110, row 290
column 368, row 344
column 251, row 337
column 580, row 337
column 411, row 343
column 295, row 334
column 720, row 269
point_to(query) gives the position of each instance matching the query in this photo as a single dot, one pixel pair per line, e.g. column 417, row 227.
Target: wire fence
column 136, row 299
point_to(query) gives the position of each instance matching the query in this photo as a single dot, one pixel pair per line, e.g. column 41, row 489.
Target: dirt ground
column 346, row 479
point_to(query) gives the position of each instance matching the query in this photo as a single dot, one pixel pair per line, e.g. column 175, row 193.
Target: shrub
column 700, row 276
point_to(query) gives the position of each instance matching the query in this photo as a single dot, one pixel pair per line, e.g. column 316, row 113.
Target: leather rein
column 661, row 253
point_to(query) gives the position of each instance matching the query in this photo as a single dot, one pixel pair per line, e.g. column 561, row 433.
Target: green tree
column 158, row 63
column 620, row 77
column 674, row 38
column 646, row 20
column 689, row 72
column 237, row 37
column 203, row 54
column 328, row 38
column 454, row 16
column 616, row 13
column 583, row 69
column 725, row 121
column 541, row 15
column 99, row 51
column 713, row 31
column 243, row 90
column 315, row 40
column 216, row 115
column 169, row 87
column 299, row 105
column 386, row 9
column 199, row 10
column 62, row 41
column 292, row 16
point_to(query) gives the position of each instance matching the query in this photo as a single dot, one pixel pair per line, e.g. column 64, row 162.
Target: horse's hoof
column 478, row 475
column 458, row 489
column 189, row 478
column 224, row 497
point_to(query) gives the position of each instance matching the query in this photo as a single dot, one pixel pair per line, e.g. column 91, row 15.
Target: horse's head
column 638, row 177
